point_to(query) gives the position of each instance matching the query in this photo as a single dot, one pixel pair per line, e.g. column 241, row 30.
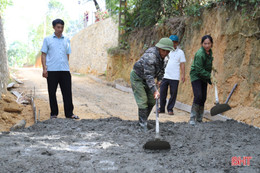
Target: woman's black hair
column 207, row 37
column 57, row 21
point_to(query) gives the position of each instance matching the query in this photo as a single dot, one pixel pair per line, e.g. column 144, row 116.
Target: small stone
column 8, row 99
column 16, row 86
column 20, row 125
column 12, row 107
column 47, row 153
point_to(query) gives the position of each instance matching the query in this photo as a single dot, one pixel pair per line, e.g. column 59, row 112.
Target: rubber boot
column 194, row 113
column 149, row 110
column 149, row 126
column 142, row 113
column 200, row 114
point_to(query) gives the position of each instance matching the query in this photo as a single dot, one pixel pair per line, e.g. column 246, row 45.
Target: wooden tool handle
column 230, row 94
column 157, row 120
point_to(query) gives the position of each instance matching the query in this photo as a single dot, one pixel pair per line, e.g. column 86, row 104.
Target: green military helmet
column 165, row 44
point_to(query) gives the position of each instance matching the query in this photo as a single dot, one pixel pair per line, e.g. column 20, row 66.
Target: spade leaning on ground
column 142, row 77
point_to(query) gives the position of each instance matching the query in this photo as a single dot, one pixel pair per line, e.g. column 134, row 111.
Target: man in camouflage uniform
column 146, row 69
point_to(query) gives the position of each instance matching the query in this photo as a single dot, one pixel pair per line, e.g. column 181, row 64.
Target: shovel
column 230, row 94
column 220, row 108
column 157, row 143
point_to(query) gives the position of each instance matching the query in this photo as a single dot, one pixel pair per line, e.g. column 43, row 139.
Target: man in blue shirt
column 55, row 62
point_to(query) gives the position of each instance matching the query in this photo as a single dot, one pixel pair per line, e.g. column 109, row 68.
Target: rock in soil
column 20, row 125
column 12, row 107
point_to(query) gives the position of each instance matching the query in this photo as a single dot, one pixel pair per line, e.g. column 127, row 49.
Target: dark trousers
column 63, row 78
column 200, row 92
column 163, row 94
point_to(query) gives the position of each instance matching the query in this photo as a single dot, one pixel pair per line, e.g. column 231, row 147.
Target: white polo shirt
column 172, row 70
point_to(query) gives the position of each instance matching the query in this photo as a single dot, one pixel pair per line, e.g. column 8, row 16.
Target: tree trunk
column 4, row 73
column 96, row 4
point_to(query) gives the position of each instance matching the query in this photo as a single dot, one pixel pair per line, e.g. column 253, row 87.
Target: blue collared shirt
column 57, row 50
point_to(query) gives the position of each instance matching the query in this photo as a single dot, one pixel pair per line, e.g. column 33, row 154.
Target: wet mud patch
column 115, row 145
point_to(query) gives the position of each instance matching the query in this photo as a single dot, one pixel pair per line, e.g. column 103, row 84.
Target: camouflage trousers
column 142, row 93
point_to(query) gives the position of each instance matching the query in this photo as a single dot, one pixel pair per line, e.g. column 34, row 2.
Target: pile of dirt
column 249, row 115
column 92, row 99
column 116, row 145
column 11, row 112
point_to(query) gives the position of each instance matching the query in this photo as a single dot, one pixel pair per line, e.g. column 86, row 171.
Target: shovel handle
column 157, row 119
column 216, row 93
column 230, row 94
column 215, row 85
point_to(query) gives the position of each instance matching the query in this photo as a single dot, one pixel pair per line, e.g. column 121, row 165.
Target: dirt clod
column 12, row 107
column 21, row 124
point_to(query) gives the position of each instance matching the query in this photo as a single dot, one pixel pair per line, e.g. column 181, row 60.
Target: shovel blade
column 220, row 108
column 157, row 144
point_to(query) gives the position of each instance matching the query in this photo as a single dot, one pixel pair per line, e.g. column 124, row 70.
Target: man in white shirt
column 175, row 64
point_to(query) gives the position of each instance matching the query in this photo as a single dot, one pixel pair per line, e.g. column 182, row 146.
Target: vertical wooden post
column 123, row 5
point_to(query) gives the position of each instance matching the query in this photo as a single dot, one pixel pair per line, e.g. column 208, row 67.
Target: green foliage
column 55, row 5
column 249, row 8
column 20, row 54
column 143, row 13
column 112, row 6
column 197, row 23
column 121, row 49
column 145, row 47
column 4, row 4
column 193, row 10
column 73, row 27
column 116, row 51
column 17, row 54
column 124, row 45
column 210, row 4
column 240, row 3
column 37, row 33
column 148, row 13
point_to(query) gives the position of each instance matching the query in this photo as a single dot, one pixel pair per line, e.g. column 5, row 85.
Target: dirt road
column 91, row 99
